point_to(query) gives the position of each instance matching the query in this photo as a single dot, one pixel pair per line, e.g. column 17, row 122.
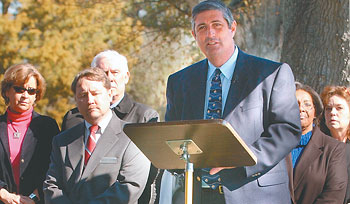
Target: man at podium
column 256, row 96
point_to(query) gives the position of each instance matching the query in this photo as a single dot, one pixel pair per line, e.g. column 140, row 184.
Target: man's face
column 93, row 100
column 214, row 37
column 119, row 77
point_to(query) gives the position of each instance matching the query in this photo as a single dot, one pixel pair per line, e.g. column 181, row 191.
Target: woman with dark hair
column 25, row 137
column 317, row 164
column 336, row 120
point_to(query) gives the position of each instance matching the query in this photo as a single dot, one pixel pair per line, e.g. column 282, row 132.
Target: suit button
column 198, row 178
column 22, row 160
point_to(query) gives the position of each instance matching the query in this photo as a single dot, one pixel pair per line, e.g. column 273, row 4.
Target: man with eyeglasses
column 116, row 67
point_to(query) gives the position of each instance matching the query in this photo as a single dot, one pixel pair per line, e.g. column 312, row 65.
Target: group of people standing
column 113, row 171
column 319, row 165
column 301, row 140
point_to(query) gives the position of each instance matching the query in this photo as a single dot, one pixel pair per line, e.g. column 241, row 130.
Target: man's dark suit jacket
column 261, row 106
column 320, row 175
column 35, row 155
column 129, row 111
column 116, row 172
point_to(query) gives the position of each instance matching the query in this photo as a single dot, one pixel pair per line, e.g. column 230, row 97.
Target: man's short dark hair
column 212, row 5
column 92, row 74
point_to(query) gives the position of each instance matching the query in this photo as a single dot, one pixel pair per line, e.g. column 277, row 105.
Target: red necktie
column 91, row 143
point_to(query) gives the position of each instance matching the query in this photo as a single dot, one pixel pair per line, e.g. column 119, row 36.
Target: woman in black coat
column 25, row 137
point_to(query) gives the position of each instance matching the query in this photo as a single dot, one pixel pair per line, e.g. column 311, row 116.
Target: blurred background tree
column 61, row 37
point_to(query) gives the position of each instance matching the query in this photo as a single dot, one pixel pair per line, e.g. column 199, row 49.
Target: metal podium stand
column 185, row 144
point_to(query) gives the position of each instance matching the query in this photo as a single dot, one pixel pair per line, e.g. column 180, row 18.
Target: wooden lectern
column 184, row 144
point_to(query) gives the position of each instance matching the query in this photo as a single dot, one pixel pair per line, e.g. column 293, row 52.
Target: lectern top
column 218, row 142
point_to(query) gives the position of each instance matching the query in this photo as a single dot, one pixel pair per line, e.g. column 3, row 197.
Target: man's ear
column 126, row 77
column 76, row 100
column 233, row 28
column 111, row 93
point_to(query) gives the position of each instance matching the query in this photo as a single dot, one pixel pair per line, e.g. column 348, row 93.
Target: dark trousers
column 209, row 196
column 200, row 195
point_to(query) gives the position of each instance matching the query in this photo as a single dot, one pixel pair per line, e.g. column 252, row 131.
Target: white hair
column 113, row 57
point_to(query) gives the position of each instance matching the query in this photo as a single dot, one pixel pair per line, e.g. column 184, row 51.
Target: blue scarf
column 298, row 150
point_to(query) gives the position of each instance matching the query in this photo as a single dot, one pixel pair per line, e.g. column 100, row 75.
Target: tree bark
column 259, row 30
column 5, row 6
column 316, row 41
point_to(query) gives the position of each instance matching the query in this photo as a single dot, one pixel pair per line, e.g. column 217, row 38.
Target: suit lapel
column 75, row 149
column 312, row 152
column 238, row 85
column 29, row 143
column 4, row 135
column 104, row 145
column 289, row 165
column 195, row 81
column 124, row 107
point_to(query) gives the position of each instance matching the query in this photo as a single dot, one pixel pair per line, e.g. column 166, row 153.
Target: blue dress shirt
column 227, row 70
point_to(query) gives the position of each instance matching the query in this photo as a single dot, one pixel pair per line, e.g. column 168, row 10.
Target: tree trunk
column 316, row 41
column 5, row 4
column 259, row 30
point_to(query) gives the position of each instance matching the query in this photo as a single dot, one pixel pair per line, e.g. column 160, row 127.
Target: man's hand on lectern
column 217, row 169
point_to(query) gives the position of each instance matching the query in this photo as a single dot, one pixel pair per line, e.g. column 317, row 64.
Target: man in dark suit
column 116, row 67
column 95, row 162
column 256, row 96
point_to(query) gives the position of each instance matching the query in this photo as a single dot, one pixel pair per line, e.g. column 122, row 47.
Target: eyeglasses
column 30, row 91
column 306, row 106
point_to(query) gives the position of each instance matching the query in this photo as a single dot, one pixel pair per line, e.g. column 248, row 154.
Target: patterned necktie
column 91, row 143
column 213, row 112
column 215, row 97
